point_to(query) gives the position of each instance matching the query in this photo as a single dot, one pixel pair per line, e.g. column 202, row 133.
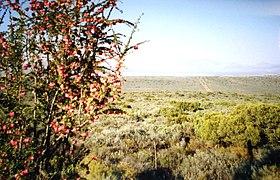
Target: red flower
column 61, row 128
column 110, row 112
column 11, row 114
column 31, row 158
column 84, row 134
column 16, row 7
column 24, row 172
column 74, row 141
column 25, row 66
column 51, row 84
column 26, row 140
column 75, row 130
column 66, row 131
column 21, row 95
column 13, row 142
column 100, row 10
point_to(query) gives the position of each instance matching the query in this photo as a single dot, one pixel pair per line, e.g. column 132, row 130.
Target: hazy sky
column 205, row 37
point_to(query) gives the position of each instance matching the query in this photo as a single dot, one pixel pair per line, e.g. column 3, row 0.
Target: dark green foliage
column 173, row 115
column 160, row 174
column 259, row 123
column 266, row 168
column 180, row 111
column 184, row 106
column 208, row 126
column 264, row 118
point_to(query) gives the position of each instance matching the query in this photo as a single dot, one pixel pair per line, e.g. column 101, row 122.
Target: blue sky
column 205, row 37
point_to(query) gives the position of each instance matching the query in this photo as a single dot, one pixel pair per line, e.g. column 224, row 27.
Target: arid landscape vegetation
column 67, row 112
column 189, row 128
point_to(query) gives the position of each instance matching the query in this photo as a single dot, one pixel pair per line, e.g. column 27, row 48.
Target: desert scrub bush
column 179, row 94
column 208, row 105
column 172, row 134
column 187, row 106
column 258, row 123
column 208, row 165
column 133, row 164
column 207, row 127
column 127, row 169
column 260, row 119
column 226, row 103
column 267, row 172
column 95, row 169
column 179, row 111
column 170, row 157
column 265, row 167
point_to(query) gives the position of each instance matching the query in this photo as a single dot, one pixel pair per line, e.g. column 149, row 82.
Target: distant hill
column 211, row 68
column 257, row 69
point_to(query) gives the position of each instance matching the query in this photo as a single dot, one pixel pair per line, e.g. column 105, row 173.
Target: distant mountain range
column 257, row 69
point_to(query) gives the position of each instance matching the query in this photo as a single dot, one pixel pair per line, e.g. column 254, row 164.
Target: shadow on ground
column 254, row 166
column 156, row 174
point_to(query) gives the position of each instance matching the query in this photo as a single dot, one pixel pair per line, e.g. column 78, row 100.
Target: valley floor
column 171, row 128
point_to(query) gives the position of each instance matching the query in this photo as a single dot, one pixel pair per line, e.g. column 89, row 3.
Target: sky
column 204, row 37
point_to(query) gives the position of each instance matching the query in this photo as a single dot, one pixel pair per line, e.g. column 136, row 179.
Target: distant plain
column 193, row 127
column 232, row 84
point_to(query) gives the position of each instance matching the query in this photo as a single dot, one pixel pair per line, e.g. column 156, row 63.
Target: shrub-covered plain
column 187, row 135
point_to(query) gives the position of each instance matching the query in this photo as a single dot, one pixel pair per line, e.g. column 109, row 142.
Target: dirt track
column 203, row 83
column 232, row 84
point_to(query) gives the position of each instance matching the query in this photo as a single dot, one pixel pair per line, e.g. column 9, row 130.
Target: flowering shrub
column 60, row 65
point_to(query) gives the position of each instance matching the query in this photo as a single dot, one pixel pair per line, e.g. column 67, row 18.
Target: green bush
column 186, row 106
column 208, row 165
column 258, row 123
column 267, row 172
column 226, row 103
column 95, row 169
column 180, row 111
column 208, row 126
column 261, row 117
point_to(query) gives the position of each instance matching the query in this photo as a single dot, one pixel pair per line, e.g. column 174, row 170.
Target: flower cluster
column 62, row 63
